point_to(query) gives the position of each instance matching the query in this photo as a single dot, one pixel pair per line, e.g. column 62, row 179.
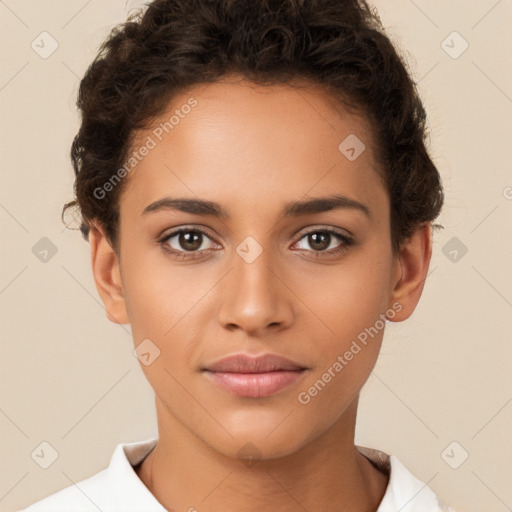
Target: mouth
column 254, row 377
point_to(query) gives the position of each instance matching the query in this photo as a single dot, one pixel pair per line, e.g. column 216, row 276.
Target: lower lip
column 255, row 385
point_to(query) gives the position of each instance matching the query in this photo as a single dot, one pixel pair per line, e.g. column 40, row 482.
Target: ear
column 411, row 271
column 107, row 275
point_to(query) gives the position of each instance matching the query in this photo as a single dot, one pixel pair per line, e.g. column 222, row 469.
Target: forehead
column 236, row 142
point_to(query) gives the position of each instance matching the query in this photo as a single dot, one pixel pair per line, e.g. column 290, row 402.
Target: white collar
column 404, row 491
column 118, row 487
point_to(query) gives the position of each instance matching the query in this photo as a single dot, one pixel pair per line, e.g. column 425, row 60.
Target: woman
column 254, row 184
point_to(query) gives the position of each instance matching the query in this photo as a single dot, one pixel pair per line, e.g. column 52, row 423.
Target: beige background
column 68, row 375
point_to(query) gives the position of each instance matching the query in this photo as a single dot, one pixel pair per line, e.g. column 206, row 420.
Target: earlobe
column 107, row 275
column 414, row 261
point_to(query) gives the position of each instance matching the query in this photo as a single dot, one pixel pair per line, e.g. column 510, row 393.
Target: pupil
column 189, row 240
column 322, row 245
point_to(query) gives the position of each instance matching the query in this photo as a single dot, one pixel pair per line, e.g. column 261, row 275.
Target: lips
column 242, row 363
column 254, row 377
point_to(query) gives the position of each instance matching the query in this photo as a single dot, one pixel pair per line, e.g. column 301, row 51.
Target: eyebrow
column 293, row 209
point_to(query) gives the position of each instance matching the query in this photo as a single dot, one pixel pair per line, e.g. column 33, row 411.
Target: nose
column 255, row 298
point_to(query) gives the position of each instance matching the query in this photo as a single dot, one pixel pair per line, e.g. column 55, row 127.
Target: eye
column 186, row 242
column 324, row 241
column 190, row 243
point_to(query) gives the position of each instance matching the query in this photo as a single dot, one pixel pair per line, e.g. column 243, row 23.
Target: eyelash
column 191, row 255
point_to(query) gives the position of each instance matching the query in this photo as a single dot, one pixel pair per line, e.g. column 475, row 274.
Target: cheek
column 345, row 308
column 158, row 296
column 344, row 354
column 163, row 303
column 348, row 298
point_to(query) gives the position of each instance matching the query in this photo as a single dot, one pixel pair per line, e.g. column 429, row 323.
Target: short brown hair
column 174, row 44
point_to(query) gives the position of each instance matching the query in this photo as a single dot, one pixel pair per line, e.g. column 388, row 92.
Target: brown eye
column 185, row 240
column 319, row 240
column 190, row 240
column 325, row 241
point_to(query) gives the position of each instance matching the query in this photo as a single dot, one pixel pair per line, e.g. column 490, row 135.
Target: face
column 270, row 275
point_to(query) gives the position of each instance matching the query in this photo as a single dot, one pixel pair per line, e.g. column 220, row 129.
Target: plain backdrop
column 440, row 395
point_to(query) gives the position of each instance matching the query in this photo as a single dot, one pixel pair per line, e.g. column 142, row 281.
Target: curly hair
column 174, row 44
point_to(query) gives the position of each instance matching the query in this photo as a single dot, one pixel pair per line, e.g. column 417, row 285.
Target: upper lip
column 243, row 363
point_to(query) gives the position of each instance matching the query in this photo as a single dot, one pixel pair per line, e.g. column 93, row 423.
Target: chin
column 256, row 444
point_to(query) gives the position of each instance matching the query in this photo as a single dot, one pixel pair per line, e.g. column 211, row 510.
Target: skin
column 253, row 149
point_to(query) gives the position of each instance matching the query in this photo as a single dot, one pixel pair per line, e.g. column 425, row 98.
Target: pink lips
column 254, row 377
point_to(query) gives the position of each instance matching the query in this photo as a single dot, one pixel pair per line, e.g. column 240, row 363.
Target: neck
column 184, row 473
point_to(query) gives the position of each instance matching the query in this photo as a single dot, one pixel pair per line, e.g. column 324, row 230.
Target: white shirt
column 119, row 489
